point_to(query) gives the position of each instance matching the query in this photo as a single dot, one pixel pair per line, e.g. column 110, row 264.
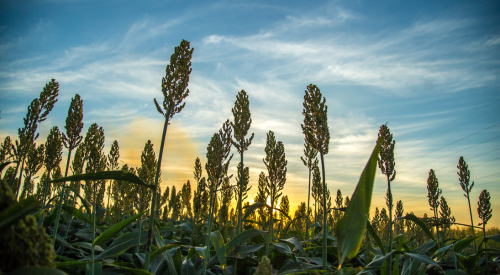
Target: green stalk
column 153, row 203
column 271, row 220
column 139, row 239
column 390, row 224
column 325, row 221
column 452, row 253
column 209, row 229
column 240, row 217
column 109, row 195
column 61, row 198
column 44, row 199
column 308, row 199
column 20, row 181
column 93, row 230
column 472, row 223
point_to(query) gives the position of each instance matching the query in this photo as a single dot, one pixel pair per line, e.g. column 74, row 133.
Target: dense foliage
column 66, row 224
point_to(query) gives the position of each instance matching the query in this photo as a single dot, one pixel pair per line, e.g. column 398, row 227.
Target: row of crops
column 95, row 217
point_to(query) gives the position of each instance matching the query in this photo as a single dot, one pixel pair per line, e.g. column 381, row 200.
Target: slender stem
column 325, row 220
column 472, row 223
column 308, row 199
column 109, row 195
column 240, row 198
column 93, row 228
column 390, row 224
column 153, row 202
column 15, row 173
column 44, row 199
column 139, row 239
column 20, row 180
column 209, row 229
column 61, row 198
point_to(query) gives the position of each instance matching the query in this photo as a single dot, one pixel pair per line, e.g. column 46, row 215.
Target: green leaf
column 129, row 269
column 240, row 238
column 202, row 252
column 122, row 244
column 243, row 250
column 166, row 254
column 85, row 203
column 37, row 271
column 177, row 259
column 17, row 211
column 351, row 228
column 110, row 232
column 297, row 245
column 50, row 219
column 495, row 238
column 163, row 249
column 218, row 243
column 423, row 258
column 187, row 267
column 420, row 223
column 282, row 248
column 106, row 175
column 5, row 164
column 77, row 214
column 253, row 207
column 462, row 244
column 88, row 246
column 375, row 236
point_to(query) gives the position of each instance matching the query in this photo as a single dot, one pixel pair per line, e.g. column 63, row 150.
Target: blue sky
column 430, row 70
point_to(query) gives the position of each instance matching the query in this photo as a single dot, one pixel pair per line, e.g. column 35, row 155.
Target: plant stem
column 61, row 198
column 139, row 239
column 308, row 199
column 20, row 180
column 93, row 228
column 44, row 199
column 472, row 223
column 390, row 224
column 325, row 221
column 153, row 202
column 206, row 258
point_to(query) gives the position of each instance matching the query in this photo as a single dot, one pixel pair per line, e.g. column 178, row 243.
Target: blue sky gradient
column 429, row 69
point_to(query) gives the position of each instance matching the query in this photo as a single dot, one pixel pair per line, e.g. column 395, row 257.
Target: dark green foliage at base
column 24, row 243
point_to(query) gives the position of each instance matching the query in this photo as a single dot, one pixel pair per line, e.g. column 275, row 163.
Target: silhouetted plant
column 113, row 156
column 71, row 140
column 310, row 161
column 38, row 111
column 464, row 180
column 53, row 156
column 262, row 195
column 174, row 89
column 387, row 165
column 433, row 194
column 317, row 134
column 241, row 125
column 276, row 169
column 399, row 213
column 285, row 208
column 6, row 150
column 316, row 190
column 186, row 199
column 484, row 210
column 34, row 162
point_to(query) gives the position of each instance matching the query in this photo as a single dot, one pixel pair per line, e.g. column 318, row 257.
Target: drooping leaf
column 218, row 243
column 17, row 211
column 5, row 164
column 110, row 232
column 240, row 238
column 375, row 236
column 122, row 244
column 77, row 214
column 297, row 245
column 187, row 267
column 168, row 258
column 105, row 175
column 423, row 258
column 420, row 223
column 163, row 249
column 460, row 245
column 282, row 248
column 352, row 226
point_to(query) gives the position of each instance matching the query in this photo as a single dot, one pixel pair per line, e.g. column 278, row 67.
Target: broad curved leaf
column 218, row 243
column 110, row 232
column 106, row 175
column 77, row 214
column 240, row 238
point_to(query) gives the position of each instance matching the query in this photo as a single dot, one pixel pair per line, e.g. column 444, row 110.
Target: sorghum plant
column 113, row 156
column 71, row 140
column 464, row 180
column 387, row 165
column 310, row 161
column 433, row 194
column 174, row 89
column 276, row 168
column 241, row 125
column 484, row 210
column 53, row 156
column 315, row 129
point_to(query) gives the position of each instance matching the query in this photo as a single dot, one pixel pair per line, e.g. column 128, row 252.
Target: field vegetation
column 94, row 216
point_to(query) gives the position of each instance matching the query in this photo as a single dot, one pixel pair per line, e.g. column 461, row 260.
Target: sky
column 427, row 69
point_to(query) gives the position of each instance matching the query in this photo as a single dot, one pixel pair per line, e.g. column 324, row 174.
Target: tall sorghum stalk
column 317, row 134
column 464, row 180
column 34, row 162
column 174, row 89
column 433, row 194
column 113, row 156
column 142, row 194
column 310, row 161
column 38, row 111
column 218, row 159
column 316, row 190
column 94, row 189
column 484, row 210
column 53, row 156
column 387, row 164
column 241, row 125
column 199, row 194
column 276, row 168
column 448, row 219
column 71, row 140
